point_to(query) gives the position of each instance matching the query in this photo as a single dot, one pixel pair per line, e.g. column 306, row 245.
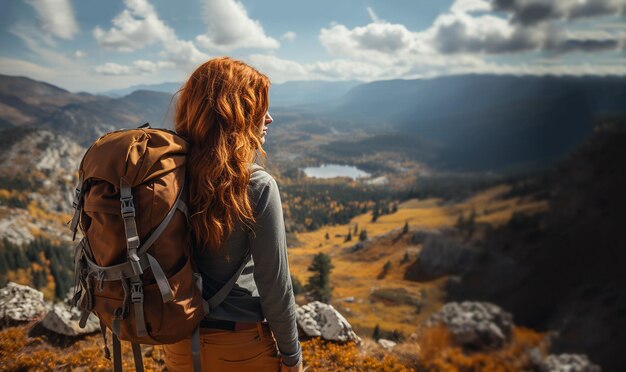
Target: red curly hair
column 219, row 111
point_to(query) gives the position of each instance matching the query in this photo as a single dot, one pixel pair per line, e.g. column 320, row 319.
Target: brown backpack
column 133, row 267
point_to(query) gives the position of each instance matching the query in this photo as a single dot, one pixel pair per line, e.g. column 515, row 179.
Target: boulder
column 568, row 362
column 386, row 344
column 20, row 303
column 64, row 320
column 475, row 325
column 320, row 319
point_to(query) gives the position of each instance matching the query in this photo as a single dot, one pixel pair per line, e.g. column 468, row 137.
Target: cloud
column 18, row 67
column 229, row 28
column 609, row 69
column 525, row 29
column 464, row 33
column 361, row 42
column 134, row 28
column 289, row 36
column 279, row 70
column 473, row 31
column 110, row 68
column 530, row 12
column 138, row 67
column 183, row 53
column 373, row 16
column 56, row 17
column 79, row 54
column 139, row 26
column 469, row 6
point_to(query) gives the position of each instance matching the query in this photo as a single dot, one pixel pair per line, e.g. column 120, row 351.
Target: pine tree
column 319, row 283
column 385, row 270
column 327, row 236
column 405, row 229
column 356, row 229
column 396, row 336
column 375, row 214
column 363, row 235
column 296, row 285
column 405, row 258
column 376, row 335
column 349, row 236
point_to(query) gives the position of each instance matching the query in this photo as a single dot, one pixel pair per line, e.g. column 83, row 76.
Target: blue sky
column 96, row 46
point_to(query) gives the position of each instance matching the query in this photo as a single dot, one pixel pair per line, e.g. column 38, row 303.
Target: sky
column 95, row 45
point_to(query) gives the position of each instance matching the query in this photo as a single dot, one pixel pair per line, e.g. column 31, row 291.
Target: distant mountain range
column 291, row 93
column 472, row 122
column 488, row 122
column 82, row 117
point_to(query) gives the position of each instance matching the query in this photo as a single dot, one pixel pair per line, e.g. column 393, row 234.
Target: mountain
column 562, row 270
column 456, row 123
column 24, row 101
column 84, row 122
column 291, row 93
column 488, row 122
column 302, row 93
column 167, row 87
column 37, row 178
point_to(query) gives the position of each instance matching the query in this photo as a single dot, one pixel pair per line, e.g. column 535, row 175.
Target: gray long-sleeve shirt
column 264, row 290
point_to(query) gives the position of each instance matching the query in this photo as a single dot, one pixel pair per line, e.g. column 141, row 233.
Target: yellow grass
column 355, row 274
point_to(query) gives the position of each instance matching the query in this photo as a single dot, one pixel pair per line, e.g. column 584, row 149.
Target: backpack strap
column 77, row 203
column 117, row 354
column 137, row 357
column 195, row 350
column 130, row 225
column 221, row 295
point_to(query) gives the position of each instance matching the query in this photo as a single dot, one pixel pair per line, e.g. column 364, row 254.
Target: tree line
column 40, row 257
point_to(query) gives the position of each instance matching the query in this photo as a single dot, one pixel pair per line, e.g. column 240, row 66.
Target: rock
column 386, row 344
column 63, row 320
column 475, row 325
column 20, row 303
column 320, row 319
column 568, row 362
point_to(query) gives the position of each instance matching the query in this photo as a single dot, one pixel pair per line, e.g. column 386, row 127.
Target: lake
column 335, row 170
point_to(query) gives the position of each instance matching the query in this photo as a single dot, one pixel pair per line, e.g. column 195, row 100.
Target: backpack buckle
column 77, row 198
column 128, row 207
column 136, row 292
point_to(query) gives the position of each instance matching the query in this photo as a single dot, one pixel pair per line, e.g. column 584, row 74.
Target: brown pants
column 247, row 350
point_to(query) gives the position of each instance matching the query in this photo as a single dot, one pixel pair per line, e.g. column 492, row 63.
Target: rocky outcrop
column 568, row 362
column 386, row 344
column 20, row 303
column 475, row 325
column 320, row 319
column 64, row 320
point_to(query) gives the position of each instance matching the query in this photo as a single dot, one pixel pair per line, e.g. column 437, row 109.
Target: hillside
column 562, row 270
column 79, row 116
column 488, row 122
column 290, row 93
column 24, row 101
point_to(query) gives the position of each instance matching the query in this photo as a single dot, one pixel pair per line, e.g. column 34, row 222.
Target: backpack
column 133, row 266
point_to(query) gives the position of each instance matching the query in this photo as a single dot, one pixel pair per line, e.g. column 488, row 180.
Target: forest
column 41, row 263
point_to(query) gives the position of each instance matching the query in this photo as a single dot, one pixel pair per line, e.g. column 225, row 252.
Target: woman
column 236, row 209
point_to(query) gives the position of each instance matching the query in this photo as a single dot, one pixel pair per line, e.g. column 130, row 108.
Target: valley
column 535, row 229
